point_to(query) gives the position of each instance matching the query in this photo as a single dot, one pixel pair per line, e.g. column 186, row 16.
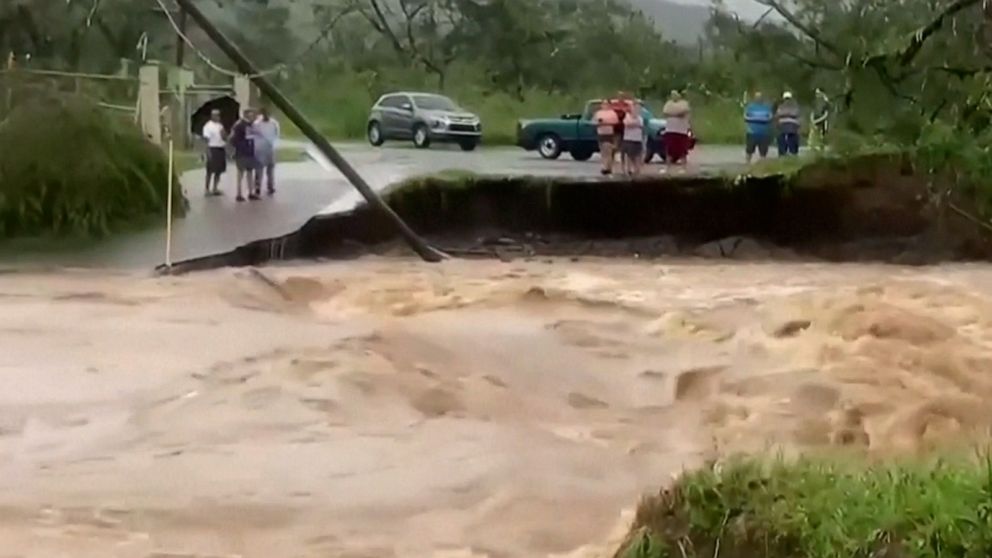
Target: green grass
column 820, row 509
column 339, row 104
column 717, row 121
column 787, row 166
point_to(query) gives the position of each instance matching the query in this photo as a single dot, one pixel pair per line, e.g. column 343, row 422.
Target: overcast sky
column 743, row 7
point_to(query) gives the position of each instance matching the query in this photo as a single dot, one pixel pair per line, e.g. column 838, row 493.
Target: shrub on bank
column 68, row 167
column 811, row 509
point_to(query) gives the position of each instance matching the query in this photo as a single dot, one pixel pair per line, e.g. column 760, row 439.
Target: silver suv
column 423, row 118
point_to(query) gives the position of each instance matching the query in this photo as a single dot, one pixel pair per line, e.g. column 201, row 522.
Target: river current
column 386, row 407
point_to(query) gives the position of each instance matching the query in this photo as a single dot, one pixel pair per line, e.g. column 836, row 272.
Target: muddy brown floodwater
column 384, row 407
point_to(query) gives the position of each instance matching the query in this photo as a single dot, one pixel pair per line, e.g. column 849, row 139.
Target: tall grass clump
column 717, row 120
column 68, row 168
column 814, row 509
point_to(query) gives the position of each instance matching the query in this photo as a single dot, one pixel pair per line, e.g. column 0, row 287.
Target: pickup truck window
column 590, row 110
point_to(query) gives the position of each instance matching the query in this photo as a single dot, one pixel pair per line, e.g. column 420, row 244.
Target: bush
column 67, row 167
column 816, row 509
column 717, row 120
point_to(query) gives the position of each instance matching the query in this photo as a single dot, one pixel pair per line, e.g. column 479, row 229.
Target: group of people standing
column 783, row 121
column 621, row 128
column 253, row 141
column 620, row 125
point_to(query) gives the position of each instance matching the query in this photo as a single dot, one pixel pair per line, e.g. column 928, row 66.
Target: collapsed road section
column 871, row 211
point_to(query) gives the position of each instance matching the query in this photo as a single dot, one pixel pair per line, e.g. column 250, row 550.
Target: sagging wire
column 206, row 60
column 277, row 68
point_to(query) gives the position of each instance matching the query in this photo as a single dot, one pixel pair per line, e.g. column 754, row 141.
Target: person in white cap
column 787, row 120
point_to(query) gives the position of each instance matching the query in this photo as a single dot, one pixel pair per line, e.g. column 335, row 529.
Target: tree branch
column 381, row 24
column 961, row 72
column 760, row 19
column 920, row 37
column 328, row 27
column 805, row 29
column 813, row 63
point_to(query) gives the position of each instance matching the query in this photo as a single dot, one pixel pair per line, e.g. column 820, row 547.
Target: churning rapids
column 384, row 407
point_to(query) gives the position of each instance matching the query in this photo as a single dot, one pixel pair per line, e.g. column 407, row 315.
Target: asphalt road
column 391, row 164
column 215, row 225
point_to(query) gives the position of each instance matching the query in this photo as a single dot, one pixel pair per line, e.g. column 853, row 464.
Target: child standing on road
column 633, row 140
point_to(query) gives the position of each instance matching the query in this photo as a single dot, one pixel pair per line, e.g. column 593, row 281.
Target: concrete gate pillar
column 242, row 92
column 148, row 102
column 180, row 80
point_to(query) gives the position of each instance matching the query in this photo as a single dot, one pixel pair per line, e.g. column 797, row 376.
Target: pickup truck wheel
column 375, row 134
column 580, row 154
column 549, row 146
column 421, row 137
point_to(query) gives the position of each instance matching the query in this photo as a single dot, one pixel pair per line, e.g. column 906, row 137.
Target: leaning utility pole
column 425, row 251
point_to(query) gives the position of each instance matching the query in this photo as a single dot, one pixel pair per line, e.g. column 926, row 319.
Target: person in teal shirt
column 758, row 116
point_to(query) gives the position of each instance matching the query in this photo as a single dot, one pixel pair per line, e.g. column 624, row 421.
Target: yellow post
column 168, row 211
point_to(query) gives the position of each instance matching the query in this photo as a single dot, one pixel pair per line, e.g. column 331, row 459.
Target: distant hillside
column 682, row 23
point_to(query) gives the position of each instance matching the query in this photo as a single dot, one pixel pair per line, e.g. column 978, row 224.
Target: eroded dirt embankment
column 875, row 209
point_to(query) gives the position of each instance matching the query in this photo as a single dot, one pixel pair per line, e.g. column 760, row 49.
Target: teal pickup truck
column 576, row 134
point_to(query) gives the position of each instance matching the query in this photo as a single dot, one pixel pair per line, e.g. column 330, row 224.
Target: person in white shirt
column 216, row 136
column 266, row 137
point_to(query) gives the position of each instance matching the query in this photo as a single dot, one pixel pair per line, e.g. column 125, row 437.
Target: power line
column 206, row 59
column 278, row 67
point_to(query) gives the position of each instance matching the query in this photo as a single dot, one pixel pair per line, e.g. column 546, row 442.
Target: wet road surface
column 215, row 225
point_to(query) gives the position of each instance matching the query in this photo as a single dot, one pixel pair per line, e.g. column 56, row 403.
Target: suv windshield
column 434, row 102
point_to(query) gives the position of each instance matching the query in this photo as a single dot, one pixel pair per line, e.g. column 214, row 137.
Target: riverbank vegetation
column 67, row 169
column 820, row 509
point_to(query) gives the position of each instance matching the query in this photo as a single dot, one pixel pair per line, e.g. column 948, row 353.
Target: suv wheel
column 549, row 146
column 421, row 137
column 468, row 144
column 375, row 134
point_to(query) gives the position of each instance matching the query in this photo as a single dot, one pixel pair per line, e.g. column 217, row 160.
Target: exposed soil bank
column 873, row 209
